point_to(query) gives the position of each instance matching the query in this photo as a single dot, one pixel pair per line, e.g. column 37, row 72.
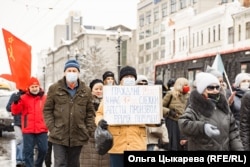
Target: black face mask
column 214, row 97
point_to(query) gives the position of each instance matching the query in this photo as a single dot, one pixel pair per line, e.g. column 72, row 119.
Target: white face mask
column 244, row 86
column 129, row 81
column 71, row 76
column 109, row 83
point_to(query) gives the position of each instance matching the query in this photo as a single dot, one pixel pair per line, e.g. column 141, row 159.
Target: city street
column 7, row 150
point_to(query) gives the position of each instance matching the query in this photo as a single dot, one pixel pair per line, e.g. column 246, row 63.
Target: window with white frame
column 230, row 35
column 148, row 17
column 164, row 10
column 173, row 6
column 141, row 20
column 156, row 14
column 248, row 30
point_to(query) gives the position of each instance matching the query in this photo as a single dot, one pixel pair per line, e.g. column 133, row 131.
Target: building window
column 148, row 57
column 155, row 55
column 156, row 29
column 141, row 47
column 202, row 37
column 209, row 35
column 141, row 35
column 239, row 33
column 148, row 45
column 164, row 10
column 230, row 35
column 163, row 27
column 183, row 4
column 197, row 38
column 141, row 60
column 141, row 21
column 148, row 33
column 219, row 32
column 214, row 31
column 193, row 40
column 248, row 30
column 156, row 14
column 173, row 6
column 163, row 41
column 148, row 17
column 163, row 54
column 155, row 42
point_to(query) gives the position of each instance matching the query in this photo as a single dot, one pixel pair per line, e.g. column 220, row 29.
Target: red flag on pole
column 19, row 56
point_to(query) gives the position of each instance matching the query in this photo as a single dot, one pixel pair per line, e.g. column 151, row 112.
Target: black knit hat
column 107, row 74
column 72, row 63
column 128, row 70
column 93, row 82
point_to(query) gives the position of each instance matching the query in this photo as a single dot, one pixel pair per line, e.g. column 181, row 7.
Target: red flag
column 7, row 77
column 19, row 55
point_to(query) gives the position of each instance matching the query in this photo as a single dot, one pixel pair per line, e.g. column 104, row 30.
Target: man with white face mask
column 125, row 137
column 30, row 106
column 242, row 81
column 69, row 114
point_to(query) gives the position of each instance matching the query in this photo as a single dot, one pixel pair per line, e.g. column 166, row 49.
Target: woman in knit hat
column 108, row 78
column 126, row 137
column 242, row 83
column 89, row 155
column 207, row 121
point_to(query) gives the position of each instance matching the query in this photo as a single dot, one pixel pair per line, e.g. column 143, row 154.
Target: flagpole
column 229, row 85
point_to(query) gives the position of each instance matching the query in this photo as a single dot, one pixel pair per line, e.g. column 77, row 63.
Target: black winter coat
column 245, row 121
column 201, row 111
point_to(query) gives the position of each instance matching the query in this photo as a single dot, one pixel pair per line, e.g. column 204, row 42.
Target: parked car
column 6, row 118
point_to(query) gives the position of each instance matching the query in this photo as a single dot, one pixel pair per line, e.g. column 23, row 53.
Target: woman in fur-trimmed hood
column 208, row 122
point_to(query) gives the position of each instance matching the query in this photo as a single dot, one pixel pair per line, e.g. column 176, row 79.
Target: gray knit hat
column 240, row 77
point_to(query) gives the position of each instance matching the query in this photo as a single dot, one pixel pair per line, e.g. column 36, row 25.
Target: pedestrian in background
column 108, row 78
column 175, row 102
column 242, row 82
column 245, row 121
column 18, row 130
column 125, row 137
column 69, row 114
column 207, row 121
column 30, row 106
column 89, row 156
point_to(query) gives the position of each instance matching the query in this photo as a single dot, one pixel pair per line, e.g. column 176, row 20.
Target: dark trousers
column 116, row 160
column 29, row 142
column 66, row 156
column 48, row 155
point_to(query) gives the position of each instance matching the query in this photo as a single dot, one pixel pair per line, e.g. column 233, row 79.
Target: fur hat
column 128, row 70
column 107, row 74
column 93, row 82
column 33, row 81
column 214, row 72
column 72, row 63
column 205, row 79
column 240, row 77
column 141, row 78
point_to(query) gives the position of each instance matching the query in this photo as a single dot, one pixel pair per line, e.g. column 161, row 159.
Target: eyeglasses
column 210, row 87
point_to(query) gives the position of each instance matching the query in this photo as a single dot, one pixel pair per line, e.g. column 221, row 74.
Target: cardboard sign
column 132, row 104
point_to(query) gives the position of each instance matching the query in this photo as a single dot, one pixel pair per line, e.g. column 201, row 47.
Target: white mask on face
column 34, row 92
column 109, row 83
column 244, row 86
column 71, row 76
column 129, row 81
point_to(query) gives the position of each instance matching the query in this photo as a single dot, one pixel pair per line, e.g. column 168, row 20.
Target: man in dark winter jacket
column 18, row 130
column 69, row 114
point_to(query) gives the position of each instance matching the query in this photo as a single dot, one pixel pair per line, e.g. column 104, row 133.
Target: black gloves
column 16, row 98
column 103, row 124
column 172, row 113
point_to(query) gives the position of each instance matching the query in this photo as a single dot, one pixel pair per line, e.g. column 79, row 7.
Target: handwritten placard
column 132, row 104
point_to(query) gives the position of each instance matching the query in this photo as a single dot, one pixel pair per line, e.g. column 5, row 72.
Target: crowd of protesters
column 201, row 116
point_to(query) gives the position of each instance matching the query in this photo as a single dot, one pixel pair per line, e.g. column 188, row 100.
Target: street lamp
column 44, row 77
column 119, row 40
